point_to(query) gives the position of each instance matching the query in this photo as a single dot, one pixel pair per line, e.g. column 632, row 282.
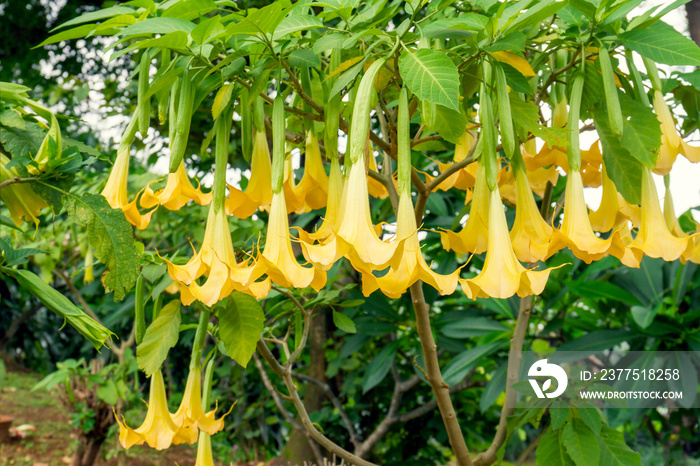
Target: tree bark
column 692, row 9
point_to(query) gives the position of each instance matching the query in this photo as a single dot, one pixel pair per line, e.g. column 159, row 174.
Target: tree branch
column 515, row 357
column 15, row 180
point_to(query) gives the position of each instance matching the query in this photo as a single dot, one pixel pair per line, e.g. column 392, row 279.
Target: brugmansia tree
column 506, row 87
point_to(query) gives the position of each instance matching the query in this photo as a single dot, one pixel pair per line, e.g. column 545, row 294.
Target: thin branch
column 530, row 448
column 15, row 180
column 489, row 456
column 336, row 403
column 300, row 91
column 434, row 137
column 78, row 296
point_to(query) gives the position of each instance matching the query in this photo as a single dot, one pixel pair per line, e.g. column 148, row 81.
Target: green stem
column 206, row 387
column 278, row 127
column 223, row 134
column 199, row 338
column 403, row 139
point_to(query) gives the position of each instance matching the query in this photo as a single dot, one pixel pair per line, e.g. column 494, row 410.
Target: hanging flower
column 464, row 178
column 530, row 235
column 204, row 454
column 21, row 200
column 280, row 264
column 258, row 194
column 292, row 194
column 313, row 187
column 375, row 188
column 178, row 191
column 473, row 237
column 614, row 210
column 654, row 238
column 158, row 430
column 502, row 275
column 412, row 266
column 190, row 414
column 115, row 190
column 331, row 218
column 672, row 143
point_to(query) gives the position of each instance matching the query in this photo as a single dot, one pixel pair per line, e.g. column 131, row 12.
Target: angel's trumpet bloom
column 115, row 190
column 356, row 237
column 89, row 267
column 158, row 429
column 217, row 260
column 280, row 264
column 614, row 210
column 577, row 234
column 178, row 191
column 292, row 194
column 473, row 237
column 190, row 414
column 20, row 198
column 654, row 238
column 313, row 187
column 331, row 219
column 204, row 454
column 502, row 275
column 672, row 143
column 464, row 178
column 412, row 266
column 258, row 194
column 530, row 235
column 670, row 216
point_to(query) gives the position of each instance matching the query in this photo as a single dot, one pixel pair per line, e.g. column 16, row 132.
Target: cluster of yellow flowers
column 347, row 230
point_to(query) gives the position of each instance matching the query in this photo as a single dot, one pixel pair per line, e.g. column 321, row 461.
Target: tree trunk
column 692, row 9
column 297, row 451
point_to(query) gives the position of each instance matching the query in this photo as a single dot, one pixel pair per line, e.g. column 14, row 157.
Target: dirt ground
column 53, row 441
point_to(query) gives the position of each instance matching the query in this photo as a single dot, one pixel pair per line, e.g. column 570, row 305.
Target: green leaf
column 379, row 367
column 622, row 168
column 450, row 124
column 344, row 322
column 176, row 40
column 431, row 76
column 303, row 58
column 22, row 142
column 591, row 417
column 580, row 443
column 75, row 33
column 107, row 392
column 295, row 23
column 601, row 290
column 551, row 452
column 160, row 336
column 241, row 323
column 494, row 388
column 265, row 20
column 97, row 15
column 190, row 9
column 641, row 131
column 526, row 116
column 662, row 45
column 461, row 364
column 221, row 100
column 594, row 342
column 112, row 239
column 206, row 29
column 16, row 257
column 643, row 315
column 513, row 42
column 472, row 327
column 688, row 381
column 96, row 333
column 157, row 26
column 559, row 412
column 614, row 451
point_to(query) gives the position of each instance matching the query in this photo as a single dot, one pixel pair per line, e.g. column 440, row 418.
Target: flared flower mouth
column 530, row 235
column 672, row 143
column 23, row 203
column 178, row 191
column 258, row 193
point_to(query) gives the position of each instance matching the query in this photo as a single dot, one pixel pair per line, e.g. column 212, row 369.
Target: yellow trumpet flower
column 313, row 187
column 280, row 264
column 158, row 430
column 412, row 266
column 654, row 238
column 204, row 454
column 217, row 260
column 530, row 235
column 293, row 196
column 502, row 275
column 331, row 218
column 614, row 210
column 356, row 237
column 474, row 236
column 21, row 200
column 89, row 267
column 178, row 191
column 463, row 178
column 258, row 194
column 375, row 188
column 672, row 143
column 576, row 232
column 115, row 190
column 670, row 215
column 190, row 414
